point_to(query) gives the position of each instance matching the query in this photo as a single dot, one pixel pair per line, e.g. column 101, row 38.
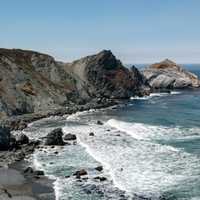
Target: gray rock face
column 54, row 137
column 31, row 82
column 4, row 138
column 102, row 75
column 169, row 75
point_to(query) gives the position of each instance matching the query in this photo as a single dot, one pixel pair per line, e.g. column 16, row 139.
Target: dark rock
column 80, row 173
column 4, row 138
column 101, row 178
column 54, row 137
column 28, row 170
column 22, row 139
column 99, row 122
column 91, row 134
column 13, row 144
column 38, row 173
column 7, row 193
column 70, row 136
column 99, row 168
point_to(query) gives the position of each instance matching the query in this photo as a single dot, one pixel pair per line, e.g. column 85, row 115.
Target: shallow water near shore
column 148, row 148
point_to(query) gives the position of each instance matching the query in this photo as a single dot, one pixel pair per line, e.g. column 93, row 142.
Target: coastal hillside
column 32, row 82
column 102, row 75
column 169, row 75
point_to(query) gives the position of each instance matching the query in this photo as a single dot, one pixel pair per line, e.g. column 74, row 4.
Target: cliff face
column 32, row 82
column 102, row 75
column 169, row 75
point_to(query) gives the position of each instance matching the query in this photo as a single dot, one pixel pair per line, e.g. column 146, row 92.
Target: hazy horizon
column 136, row 31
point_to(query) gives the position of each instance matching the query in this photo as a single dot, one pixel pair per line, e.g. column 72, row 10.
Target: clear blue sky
column 137, row 31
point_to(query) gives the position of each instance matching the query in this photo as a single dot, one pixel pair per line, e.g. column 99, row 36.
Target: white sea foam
column 142, row 131
column 137, row 164
column 155, row 95
column 134, row 161
column 175, row 92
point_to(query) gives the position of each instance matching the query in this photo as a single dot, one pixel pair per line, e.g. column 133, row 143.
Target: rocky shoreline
column 35, row 86
column 13, row 160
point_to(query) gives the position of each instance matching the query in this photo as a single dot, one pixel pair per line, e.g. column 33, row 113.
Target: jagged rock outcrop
column 102, row 75
column 54, row 137
column 32, row 82
column 169, row 75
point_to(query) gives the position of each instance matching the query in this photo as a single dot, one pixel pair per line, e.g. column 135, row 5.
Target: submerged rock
column 99, row 122
column 54, row 137
column 169, row 75
column 80, row 173
column 99, row 168
column 100, row 178
column 38, row 173
column 70, row 136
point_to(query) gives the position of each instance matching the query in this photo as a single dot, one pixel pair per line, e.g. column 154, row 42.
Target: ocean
column 149, row 147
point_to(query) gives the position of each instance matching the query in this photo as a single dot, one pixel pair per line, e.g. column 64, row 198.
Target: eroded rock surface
column 169, row 75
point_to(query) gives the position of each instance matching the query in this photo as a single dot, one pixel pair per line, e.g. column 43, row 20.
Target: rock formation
column 102, row 75
column 169, row 75
column 54, row 137
column 32, row 82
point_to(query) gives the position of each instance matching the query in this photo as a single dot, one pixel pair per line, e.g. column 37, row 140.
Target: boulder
column 99, row 168
column 4, row 138
column 80, row 173
column 38, row 173
column 22, row 139
column 91, row 134
column 99, row 122
column 169, row 75
column 70, row 136
column 54, row 137
column 100, row 178
column 28, row 170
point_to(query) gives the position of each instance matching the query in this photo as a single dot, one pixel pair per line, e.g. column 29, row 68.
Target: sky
column 136, row 31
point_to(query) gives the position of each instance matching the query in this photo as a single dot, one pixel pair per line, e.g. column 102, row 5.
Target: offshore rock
column 169, row 75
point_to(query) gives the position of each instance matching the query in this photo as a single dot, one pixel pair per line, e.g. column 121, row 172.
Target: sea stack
column 169, row 75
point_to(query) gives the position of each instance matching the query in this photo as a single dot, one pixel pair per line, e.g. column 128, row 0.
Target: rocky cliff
column 31, row 82
column 169, row 75
column 102, row 75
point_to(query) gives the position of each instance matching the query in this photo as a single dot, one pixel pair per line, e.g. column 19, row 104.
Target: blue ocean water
column 149, row 147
